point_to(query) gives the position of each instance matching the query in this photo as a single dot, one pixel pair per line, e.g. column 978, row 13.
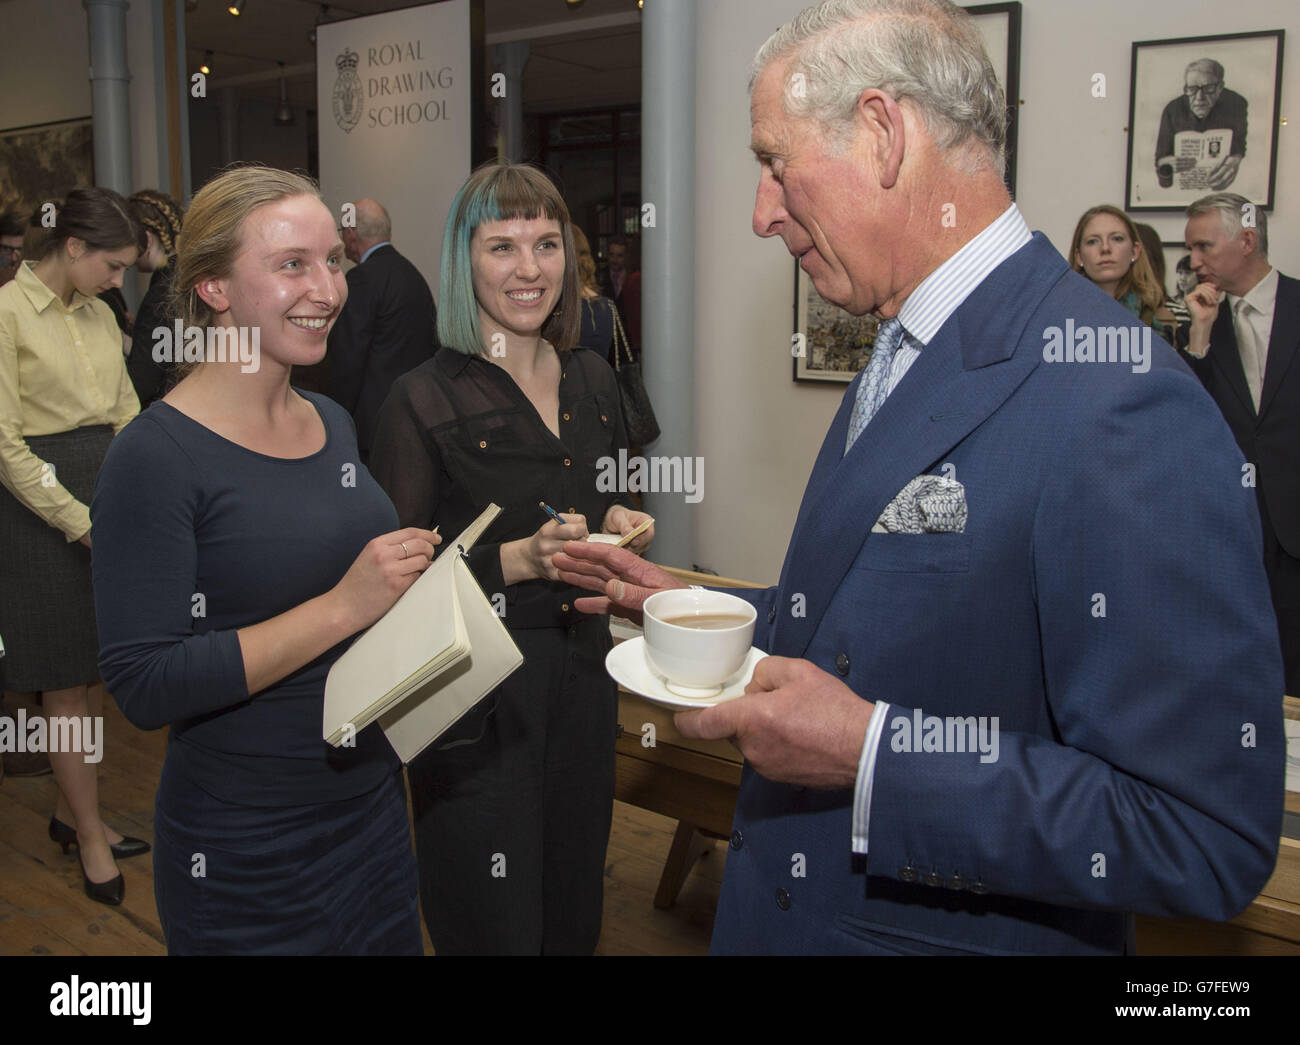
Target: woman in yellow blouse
column 64, row 393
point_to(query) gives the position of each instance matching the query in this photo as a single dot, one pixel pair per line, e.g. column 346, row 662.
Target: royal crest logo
column 348, row 94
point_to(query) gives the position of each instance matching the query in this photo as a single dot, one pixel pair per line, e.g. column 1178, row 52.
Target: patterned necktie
column 1249, row 350
column 874, row 385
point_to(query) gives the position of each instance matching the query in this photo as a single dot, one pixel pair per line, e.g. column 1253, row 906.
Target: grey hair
column 1208, row 65
column 927, row 51
column 1231, row 209
column 373, row 224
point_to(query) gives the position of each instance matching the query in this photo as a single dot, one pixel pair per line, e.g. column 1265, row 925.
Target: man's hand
column 1203, row 306
column 1224, row 174
column 626, row 579
column 796, row 724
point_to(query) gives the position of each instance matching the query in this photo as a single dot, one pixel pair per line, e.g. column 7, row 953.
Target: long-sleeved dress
column 267, row 839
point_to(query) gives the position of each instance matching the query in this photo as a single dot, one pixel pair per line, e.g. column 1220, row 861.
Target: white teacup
column 690, row 641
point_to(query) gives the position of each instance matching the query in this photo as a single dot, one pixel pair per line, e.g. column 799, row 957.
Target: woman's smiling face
column 518, row 271
column 287, row 279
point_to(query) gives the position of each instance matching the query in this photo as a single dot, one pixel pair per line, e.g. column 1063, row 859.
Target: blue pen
column 552, row 512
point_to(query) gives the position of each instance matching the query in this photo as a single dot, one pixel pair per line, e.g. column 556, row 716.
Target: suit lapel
column 1283, row 339
column 1225, row 356
column 966, row 372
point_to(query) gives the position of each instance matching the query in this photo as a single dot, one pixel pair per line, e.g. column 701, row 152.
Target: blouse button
column 482, row 444
column 566, row 417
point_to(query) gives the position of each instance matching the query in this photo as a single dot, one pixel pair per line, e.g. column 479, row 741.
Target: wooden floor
column 44, row 910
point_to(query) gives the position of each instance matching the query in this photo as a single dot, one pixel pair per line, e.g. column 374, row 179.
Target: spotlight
column 283, row 111
column 206, row 67
column 236, row 8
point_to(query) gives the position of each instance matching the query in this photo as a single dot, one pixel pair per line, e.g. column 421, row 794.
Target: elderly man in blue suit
column 1043, row 691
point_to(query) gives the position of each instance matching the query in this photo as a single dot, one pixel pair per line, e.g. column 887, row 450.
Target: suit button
column 979, row 888
column 783, row 899
column 933, row 879
column 737, row 839
column 956, row 882
column 482, row 445
column 567, row 462
column 907, row 874
column 771, row 614
column 564, row 607
column 566, row 417
column 842, row 663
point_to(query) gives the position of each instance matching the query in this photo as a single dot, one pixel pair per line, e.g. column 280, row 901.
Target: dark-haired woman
column 64, row 394
column 512, row 809
column 161, row 217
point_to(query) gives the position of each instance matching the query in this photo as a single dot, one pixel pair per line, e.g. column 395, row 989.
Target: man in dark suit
column 387, row 327
column 1042, row 691
column 1242, row 342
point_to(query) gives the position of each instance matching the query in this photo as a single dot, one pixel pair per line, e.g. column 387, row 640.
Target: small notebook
column 620, row 540
column 436, row 653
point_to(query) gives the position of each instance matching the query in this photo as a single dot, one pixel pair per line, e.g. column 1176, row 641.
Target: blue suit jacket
column 1106, row 603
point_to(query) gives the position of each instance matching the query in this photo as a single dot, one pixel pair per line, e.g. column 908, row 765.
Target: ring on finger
column 405, row 553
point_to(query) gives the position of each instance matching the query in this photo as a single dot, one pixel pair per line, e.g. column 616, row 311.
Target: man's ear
column 881, row 119
column 213, row 293
column 1249, row 241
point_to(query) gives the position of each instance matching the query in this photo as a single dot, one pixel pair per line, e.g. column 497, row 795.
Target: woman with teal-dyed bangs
column 512, row 807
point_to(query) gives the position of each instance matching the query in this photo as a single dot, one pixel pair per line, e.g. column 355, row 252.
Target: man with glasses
column 1205, row 105
column 12, row 227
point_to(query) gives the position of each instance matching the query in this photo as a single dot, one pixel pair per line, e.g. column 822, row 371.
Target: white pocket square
column 928, row 504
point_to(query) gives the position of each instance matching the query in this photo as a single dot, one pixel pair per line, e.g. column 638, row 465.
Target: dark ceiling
column 579, row 57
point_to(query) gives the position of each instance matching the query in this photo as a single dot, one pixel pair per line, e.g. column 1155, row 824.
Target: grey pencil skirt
column 47, row 606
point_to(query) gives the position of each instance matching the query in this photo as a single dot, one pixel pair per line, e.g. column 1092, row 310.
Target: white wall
column 762, row 432
column 45, row 73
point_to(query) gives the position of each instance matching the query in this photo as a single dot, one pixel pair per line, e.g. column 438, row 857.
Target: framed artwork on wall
column 43, row 161
column 999, row 25
column 829, row 345
column 1203, row 118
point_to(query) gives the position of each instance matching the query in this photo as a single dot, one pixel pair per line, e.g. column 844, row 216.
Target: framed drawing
column 999, row 25
column 1203, row 117
column 43, row 161
column 829, row 344
column 1180, row 280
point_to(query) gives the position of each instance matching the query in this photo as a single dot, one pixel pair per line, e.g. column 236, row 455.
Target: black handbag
column 638, row 414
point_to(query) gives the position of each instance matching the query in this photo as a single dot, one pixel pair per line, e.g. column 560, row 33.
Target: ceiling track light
column 236, row 8
column 283, row 111
column 206, row 67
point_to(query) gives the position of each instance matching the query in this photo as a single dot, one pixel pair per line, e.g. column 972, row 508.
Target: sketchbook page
column 433, row 708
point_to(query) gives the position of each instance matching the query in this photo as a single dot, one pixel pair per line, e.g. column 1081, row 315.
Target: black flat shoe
column 110, row 892
column 66, row 836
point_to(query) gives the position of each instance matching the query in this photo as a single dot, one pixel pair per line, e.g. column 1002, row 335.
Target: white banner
column 393, row 112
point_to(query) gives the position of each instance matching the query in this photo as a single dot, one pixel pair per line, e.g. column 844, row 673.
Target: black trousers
column 1284, row 585
column 512, row 810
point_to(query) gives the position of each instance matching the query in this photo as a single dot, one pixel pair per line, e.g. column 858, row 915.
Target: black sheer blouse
column 456, row 434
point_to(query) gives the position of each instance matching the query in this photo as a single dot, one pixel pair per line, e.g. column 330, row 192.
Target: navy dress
column 267, row 840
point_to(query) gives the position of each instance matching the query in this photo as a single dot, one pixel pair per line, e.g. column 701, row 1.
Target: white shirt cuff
column 866, row 775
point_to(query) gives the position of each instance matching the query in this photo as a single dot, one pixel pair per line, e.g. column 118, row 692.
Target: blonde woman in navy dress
column 239, row 546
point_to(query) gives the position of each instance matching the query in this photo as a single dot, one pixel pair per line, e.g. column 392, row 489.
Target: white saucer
column 627, row 665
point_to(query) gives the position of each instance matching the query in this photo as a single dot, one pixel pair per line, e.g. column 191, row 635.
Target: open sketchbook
column 433, row 656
